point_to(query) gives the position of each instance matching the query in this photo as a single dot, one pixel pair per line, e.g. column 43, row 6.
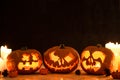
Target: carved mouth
column 92, row 67
column 56, row 68
column 28, row 66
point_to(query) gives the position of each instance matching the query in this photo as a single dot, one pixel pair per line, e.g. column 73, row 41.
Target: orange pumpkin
column 24, row 61
column 95, row 59
column 61, row 59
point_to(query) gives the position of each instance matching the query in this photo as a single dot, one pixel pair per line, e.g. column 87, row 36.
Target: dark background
column 41, row 24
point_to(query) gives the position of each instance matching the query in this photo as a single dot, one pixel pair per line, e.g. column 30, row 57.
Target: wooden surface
column 51, row 76
column 58, row 77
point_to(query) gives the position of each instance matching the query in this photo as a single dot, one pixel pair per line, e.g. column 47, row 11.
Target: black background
column 41, row 24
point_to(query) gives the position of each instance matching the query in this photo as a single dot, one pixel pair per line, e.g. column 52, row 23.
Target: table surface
column 51, row 76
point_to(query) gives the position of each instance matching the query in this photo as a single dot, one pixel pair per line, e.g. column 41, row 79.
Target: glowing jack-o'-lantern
column 95, row 59
column 61, row 59
column 25, row 61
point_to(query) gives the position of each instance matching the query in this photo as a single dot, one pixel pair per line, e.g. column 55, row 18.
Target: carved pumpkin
column 95, row 59
column 61, row 59
column 24, row 61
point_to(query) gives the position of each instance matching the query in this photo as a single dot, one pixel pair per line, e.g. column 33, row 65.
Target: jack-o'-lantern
column 95, row 59
column 24, row 61
column 61, row 59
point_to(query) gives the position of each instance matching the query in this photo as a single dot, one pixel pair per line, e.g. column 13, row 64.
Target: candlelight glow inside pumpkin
column 25, row 61
column 61, row 60
column 94, row 60
column 27, row 65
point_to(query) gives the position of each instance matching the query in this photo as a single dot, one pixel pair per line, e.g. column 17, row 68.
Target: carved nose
column 90, row 61
column 61, row 61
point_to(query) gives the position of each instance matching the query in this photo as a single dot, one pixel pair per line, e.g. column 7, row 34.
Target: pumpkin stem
column 99, row 45
column 24, row 48
column 62, row 46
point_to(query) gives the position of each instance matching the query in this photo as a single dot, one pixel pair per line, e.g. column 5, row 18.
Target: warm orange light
column 116, row 50
column 69, row 57
column 4, row 52
column 90, row 58
column 26, row 57
column 61, row 67
column 35, row 56
column 53, row 57
column 27, row 65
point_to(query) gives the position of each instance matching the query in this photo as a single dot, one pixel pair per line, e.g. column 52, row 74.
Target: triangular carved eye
column 25, row 57
column 99, row 54
column 53, row 57
column 85, row 54
column 69, row 57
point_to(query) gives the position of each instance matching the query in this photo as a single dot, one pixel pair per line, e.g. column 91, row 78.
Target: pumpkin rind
column 61, row 59
column 32, row 61
column 88, row 60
